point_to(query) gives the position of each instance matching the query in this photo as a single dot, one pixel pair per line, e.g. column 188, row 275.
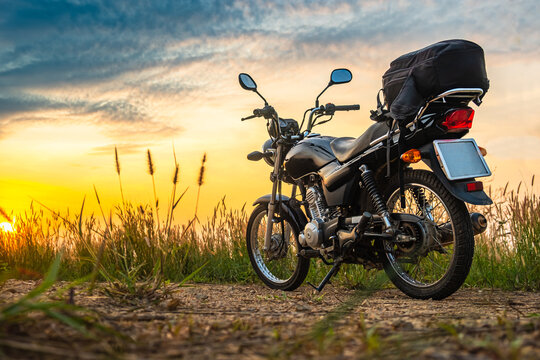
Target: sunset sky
column 78, row 78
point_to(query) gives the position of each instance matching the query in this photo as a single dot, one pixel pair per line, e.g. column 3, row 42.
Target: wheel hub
column 417, row 245
column 278, row 247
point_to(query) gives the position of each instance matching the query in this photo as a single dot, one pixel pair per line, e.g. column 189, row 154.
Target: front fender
column 294, row 212
column 456, row 188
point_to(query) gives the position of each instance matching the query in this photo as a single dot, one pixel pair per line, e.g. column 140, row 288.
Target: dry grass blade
column 180, row 198
column 99, row 257
column 4, row 214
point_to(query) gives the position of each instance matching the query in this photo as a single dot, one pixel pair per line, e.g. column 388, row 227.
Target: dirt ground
column 253, row 322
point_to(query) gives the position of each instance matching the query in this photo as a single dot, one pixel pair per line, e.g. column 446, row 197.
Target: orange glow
column 411, row 156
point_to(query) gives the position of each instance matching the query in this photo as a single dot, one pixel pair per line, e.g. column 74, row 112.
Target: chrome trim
column 475, row 93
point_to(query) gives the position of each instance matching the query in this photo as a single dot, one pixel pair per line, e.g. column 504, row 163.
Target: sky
column 79, row 78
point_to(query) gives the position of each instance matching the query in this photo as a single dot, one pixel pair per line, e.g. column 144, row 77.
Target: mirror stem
column 317, row 100
column 265, row 102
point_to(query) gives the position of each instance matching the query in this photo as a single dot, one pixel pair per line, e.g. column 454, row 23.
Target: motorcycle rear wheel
column 436, row 267
column 281, row 268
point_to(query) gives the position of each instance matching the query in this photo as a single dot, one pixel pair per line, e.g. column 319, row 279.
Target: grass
column 136, row 253
column 508, row 254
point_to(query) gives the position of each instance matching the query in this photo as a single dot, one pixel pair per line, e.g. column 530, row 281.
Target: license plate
column 461, row 159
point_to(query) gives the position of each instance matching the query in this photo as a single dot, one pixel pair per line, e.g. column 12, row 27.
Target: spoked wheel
column 279, row 267
column 437, row 259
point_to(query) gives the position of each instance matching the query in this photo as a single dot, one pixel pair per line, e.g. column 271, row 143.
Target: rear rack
column 472, row 94
column 466, row 94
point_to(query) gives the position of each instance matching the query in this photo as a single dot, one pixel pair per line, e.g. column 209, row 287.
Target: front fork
column 272, row 204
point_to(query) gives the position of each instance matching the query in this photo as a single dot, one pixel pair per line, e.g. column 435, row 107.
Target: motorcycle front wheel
column 437, row 263
column 280, row 267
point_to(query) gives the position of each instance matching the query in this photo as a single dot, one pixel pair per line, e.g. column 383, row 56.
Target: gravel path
column 252, row 321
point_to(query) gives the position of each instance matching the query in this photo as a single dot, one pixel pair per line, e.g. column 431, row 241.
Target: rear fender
column 456, row 188
column 294, row 212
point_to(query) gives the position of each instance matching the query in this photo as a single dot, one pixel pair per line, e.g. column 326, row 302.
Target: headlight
column 267, row 147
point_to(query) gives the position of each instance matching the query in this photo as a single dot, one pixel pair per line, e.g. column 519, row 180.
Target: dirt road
column 251, row 321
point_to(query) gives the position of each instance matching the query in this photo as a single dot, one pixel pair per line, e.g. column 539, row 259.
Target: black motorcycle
column 360, row 200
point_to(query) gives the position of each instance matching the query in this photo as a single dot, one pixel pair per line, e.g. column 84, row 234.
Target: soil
column 254, row 322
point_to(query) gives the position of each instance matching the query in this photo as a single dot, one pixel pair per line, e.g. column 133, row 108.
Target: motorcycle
column 363, row 201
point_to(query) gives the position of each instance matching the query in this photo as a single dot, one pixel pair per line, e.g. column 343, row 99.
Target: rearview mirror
column 246, row 82
column 340, row 76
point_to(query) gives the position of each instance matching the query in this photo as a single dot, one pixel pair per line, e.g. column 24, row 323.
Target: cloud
column 114, row 111
column 105, row 59
column 123, row 148
column 75, row 42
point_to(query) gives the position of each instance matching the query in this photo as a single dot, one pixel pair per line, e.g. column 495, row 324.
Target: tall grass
column 508, row 253
column 130, row 245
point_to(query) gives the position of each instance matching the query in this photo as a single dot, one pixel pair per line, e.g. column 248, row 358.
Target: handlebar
column 267, row 111
column 347, row 107
column 330, row 108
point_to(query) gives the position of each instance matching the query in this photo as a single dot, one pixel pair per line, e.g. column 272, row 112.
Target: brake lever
column 248, row 117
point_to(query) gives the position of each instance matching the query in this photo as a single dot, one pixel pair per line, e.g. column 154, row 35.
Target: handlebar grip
column 347, row 107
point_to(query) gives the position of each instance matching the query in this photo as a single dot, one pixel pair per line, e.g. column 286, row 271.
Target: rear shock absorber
column 369, row 182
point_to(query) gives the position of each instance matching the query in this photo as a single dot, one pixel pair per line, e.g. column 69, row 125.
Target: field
column 131, row 285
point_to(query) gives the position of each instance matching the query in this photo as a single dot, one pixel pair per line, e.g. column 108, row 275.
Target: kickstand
column 332, row 272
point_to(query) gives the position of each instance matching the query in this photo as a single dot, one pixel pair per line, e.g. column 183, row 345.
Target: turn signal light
column 411, row 156
column 458, row 120
column 483, row 151
column 475, row 186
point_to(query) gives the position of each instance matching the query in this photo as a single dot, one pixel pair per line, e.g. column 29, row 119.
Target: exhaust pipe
column 479, row 223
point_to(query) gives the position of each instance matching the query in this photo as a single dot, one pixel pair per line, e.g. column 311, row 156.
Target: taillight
column 458, row 120
column 475, row 186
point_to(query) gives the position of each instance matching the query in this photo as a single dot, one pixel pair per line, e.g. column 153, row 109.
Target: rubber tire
column 302, row 266
column 464, row 240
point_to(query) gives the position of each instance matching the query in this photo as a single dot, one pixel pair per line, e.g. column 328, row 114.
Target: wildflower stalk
column 117, row 163
column 200, row 182
column 151, row 171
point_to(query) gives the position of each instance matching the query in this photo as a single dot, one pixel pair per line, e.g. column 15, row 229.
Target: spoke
column 411, row 272
column 433, row 262
column 429, row 268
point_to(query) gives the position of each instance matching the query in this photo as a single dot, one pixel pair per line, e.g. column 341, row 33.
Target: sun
column 6, row 226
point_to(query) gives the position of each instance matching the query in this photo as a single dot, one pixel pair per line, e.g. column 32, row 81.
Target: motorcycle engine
column 312, row 235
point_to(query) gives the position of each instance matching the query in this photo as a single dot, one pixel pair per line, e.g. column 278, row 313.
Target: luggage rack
column 473, row 94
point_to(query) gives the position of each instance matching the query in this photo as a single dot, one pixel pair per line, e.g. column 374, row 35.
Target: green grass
column 507, row 255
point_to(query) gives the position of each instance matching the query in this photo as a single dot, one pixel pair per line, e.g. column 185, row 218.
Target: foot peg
column 357, row 233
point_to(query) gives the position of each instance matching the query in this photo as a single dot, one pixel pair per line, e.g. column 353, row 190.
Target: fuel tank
column 309, row 155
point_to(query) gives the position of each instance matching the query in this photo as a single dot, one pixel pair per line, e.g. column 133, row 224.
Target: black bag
column 415, row 77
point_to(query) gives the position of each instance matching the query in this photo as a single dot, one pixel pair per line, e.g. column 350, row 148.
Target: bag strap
column 381, row 114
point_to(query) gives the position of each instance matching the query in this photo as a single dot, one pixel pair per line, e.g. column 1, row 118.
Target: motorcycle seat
column 345, row 148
